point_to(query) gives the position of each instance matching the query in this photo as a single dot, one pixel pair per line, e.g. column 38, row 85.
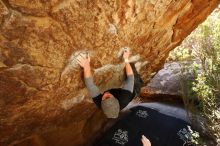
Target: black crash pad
column 160, row 129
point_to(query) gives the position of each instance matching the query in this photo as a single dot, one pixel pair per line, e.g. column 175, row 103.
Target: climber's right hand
column 84, row 62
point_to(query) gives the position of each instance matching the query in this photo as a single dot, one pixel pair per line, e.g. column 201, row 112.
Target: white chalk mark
column 72, row 62
column 62, row 5
column 69, row 103
column 112, row 29
column 134, row 58
column 120, row 53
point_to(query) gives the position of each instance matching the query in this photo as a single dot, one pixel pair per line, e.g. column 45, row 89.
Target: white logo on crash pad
column 120, row 137
column 142, row 114
column 188, row 135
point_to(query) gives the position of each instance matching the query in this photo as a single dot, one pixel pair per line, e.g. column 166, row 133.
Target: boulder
column 167, row 80
column 42, row 92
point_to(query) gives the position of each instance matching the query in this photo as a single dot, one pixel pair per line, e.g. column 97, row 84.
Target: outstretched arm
column 129, row 82
column 85, row 64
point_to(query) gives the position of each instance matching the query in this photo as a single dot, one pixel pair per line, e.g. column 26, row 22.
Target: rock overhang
column 41, row 90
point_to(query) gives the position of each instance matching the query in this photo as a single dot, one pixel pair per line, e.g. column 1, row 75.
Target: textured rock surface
column 167, row 80
column 42, row 96
column 164, row 86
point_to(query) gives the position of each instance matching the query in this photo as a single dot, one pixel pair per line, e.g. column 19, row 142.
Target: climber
column 113, row 100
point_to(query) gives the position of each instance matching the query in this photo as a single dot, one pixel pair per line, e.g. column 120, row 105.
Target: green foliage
column 179, row 54
column 199, row 56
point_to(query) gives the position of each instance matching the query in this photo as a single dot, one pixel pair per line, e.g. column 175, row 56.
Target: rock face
column 43, row 100
column 165, row 86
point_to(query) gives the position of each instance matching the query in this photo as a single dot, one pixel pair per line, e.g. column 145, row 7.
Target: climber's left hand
column 126, row 54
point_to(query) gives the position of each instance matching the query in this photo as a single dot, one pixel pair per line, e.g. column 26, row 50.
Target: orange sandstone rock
column 41, row 90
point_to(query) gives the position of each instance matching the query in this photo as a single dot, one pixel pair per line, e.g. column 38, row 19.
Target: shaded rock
column 41, row 91
column 165, row 86
column 33, row 140
column 167, row 80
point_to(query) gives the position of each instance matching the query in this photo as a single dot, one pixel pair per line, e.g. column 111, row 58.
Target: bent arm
column 84, row 62
column 93, row 89
column 129, row 82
